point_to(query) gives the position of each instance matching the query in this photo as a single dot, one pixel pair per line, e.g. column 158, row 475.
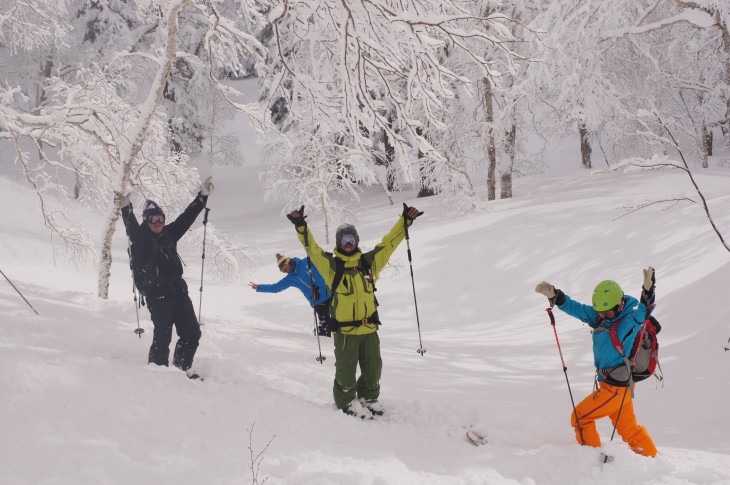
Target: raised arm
column 380, row 255
column 180, row 226
column 317, row 255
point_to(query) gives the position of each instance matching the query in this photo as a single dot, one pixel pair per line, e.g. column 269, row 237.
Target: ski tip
column 475, row 438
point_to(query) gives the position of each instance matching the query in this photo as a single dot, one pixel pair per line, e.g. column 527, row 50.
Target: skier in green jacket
column 353, row 311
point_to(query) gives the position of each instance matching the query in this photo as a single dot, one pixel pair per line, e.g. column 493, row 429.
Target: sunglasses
column 156, row 219
column 348, row 240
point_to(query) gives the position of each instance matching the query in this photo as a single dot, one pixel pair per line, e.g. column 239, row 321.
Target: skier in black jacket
column 158, row 273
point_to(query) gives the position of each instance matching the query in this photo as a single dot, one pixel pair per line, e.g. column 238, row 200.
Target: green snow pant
column 349, row 351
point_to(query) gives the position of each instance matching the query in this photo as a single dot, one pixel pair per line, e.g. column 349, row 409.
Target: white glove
column 121, row 200
column 546, row 289
column 207, row 186
column 649, row 278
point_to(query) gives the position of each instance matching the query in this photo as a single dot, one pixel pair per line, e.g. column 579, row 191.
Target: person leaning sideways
column 158, row 275
column 610, row 307
column 314, row 288
column 353, row 309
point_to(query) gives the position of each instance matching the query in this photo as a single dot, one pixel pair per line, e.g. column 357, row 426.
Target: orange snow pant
column 606, row 401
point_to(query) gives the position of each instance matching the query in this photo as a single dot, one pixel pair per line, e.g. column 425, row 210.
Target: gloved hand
column 121, row 200
column 554, row 296
column 207, row 187
column 649, row 278
column 647, row 288
column 546, row 289
column 297, row 217
column 410, row 213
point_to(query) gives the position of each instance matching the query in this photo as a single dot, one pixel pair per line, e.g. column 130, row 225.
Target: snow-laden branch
column 696, row 18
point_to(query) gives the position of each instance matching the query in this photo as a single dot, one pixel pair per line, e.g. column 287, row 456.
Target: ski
column 475, row 438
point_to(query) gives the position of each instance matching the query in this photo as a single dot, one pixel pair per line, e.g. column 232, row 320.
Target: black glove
column 297, row 217
column 410, row 213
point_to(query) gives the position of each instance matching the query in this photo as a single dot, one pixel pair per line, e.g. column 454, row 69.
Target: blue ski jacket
column 299, row 278
column 629, row 323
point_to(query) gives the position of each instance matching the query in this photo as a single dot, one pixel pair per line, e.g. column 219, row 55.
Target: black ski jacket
column 157, row 266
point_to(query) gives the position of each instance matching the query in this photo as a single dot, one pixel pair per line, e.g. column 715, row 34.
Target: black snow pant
column 175, row 310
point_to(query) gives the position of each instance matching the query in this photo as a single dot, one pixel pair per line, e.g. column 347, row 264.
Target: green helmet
column 607, row 295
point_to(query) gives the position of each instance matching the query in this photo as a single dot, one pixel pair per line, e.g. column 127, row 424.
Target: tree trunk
column 128, row 152
column 46, row 68
column 705, row 144
column 105, row 263
column 325, row 216
column 390, row 169
column 491, row 147
column 725, row 29
column 511, row 149
column 424, row 168
column 585, row 145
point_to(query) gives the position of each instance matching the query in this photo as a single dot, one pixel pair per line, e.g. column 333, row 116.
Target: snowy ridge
column 79, row 405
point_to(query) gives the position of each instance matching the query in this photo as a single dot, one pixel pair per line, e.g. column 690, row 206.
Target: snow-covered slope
column 79, row 404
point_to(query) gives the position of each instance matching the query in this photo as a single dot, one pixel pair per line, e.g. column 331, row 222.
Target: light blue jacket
column 299, row 278
column 630, row 320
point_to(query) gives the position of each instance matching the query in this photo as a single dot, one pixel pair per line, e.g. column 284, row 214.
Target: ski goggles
column 156, row 219
column 348, row 240
column 612, row 313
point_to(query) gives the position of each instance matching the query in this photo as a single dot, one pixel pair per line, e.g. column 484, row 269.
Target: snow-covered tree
column 358, row 70
column 104, row 123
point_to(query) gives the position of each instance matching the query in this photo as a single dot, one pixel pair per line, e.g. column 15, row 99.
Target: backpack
column 364, row 267
column 643, row 358
column 137, row 270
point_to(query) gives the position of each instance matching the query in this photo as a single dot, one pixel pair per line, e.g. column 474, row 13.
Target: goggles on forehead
column 348, row 240
column 156, row 219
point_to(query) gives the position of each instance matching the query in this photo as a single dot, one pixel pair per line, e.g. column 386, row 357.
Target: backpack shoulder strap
column 363, row 266
column 339, row 271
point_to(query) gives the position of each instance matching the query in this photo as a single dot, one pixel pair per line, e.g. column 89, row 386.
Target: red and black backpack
column 643, row 358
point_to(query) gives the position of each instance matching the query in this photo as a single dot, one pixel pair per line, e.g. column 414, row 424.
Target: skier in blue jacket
column 610, row 307
column 297, row 276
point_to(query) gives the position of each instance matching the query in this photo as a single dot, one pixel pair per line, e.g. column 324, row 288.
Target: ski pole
column 728, row 347
column 618, row 416
column 321, row 357
column 139, row 330
column 565, row 371
column 420, row 350
column 202, row 268
column 21, row 295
